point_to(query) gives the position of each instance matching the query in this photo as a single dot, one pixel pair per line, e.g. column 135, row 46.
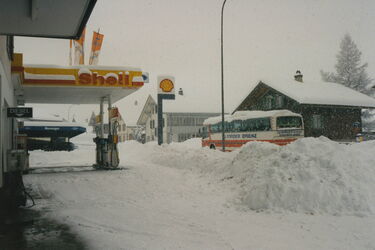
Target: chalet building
column 179, row 125
column 328, row 109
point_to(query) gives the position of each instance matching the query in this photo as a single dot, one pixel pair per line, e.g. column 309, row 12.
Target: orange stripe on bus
column 239, row 143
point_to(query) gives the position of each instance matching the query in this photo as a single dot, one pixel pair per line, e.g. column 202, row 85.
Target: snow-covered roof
column 49, row 76
column 323, row 93
column 244, row 115
column 131, row 107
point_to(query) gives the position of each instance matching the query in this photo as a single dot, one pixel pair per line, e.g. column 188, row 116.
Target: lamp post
column 222, row 78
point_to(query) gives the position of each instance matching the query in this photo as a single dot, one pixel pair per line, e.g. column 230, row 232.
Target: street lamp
column 222, row 79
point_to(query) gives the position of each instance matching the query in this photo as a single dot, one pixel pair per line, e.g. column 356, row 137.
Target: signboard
column 114, row 113
column 98, row 119
column 166, row 85
column 20, row 112
column 166, row 91
column 90, row 76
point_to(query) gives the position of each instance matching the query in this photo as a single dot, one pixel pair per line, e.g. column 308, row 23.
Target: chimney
column 298, row 76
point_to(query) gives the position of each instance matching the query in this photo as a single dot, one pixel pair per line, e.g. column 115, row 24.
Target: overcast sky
column 262, row 38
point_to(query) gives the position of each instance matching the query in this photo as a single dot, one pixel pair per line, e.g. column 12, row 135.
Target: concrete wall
column 6, row 100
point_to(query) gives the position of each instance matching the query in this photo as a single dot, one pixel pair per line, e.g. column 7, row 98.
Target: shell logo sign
column 97, row 76
column 87, row 77
column 166, row 85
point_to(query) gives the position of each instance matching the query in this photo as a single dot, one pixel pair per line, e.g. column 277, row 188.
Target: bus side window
column 217, row 128
column 245, row 125
column 204, row 132
column 228, row 126
column 264, row 124
column 236, row 126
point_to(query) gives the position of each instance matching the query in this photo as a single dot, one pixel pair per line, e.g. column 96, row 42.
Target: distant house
column 328, row 109
column 179, row 124
column 124, row 132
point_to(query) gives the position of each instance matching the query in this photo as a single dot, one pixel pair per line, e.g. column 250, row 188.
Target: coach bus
column 277, row 126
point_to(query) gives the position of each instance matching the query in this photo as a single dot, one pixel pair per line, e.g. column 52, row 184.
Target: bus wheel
column 212, row 146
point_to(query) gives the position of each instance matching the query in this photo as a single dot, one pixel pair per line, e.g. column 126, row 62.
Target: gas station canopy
column 82, row 84
column 47, row 18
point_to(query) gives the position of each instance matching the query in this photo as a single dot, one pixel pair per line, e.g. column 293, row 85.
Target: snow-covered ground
column 311, row 194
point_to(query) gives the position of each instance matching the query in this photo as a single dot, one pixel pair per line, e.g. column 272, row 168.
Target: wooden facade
column 334, row 122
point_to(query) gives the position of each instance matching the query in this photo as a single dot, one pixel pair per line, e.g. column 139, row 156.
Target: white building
column 124, row 131
column 178, row 125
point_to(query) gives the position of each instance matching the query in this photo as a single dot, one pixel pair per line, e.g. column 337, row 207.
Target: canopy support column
column 101, row 117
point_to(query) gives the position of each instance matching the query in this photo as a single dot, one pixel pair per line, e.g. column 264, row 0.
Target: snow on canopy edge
column 52, row 124
column 93, row 67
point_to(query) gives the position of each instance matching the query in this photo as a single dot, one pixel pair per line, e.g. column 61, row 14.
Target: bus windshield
column 289, row 122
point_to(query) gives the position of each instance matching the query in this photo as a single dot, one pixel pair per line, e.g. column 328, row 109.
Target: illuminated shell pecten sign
column 97, row 76
column 166, row 85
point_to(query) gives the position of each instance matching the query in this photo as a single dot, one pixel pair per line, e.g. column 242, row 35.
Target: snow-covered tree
column 349, row 70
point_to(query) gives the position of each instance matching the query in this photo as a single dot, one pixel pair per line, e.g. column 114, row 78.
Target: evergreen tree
column 349, row 70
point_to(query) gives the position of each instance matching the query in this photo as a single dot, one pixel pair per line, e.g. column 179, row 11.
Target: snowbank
column 311, row 175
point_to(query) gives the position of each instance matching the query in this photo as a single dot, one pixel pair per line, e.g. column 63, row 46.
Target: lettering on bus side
column 233, row 136
column 249, row 136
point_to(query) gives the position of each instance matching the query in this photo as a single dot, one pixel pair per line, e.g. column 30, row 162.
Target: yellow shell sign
column 91, row 76
column 166, row 85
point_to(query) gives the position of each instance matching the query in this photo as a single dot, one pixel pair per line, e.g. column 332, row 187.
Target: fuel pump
column 107, row 156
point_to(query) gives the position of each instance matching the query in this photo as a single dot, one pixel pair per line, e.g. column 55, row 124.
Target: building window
column 317, row 122
column 123, row 127
column 279, row 101
column 269, row 102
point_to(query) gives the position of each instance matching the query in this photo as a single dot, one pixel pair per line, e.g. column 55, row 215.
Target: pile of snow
column 311, row 175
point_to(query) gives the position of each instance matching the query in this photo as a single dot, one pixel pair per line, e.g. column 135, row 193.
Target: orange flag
column 79, row 52
column 97, row 40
